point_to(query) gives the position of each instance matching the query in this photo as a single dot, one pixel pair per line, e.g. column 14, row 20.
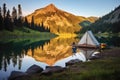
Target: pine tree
column 42, row 27
column 0, row 11
column 14, row 14
column 19, row 11
column 4, row 10
column 8, row 22
column 19, row 20
column 32, row 23
column 26, row 24
column 1, row 20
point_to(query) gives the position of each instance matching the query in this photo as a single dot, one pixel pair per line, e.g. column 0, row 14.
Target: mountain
column 108, row 23
column 91, row 19
column 112, row 17
column 57, row 20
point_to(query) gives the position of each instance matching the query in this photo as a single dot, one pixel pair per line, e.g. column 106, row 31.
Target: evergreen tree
column 19, row 11
column 26, row 24
column 1, row 20
column 19, row 20
column 42, row 27
column 4, row 10
column 14, row 14
column 8, row 22
column 32, row 22
column 0, row 11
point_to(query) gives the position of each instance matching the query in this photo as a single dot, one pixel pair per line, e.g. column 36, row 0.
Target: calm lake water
column 19, row 55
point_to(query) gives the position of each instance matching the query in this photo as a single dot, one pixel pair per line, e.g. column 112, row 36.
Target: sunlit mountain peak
column 51, row 8
column 57, row 20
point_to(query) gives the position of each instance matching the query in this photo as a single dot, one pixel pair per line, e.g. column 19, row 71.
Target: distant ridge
column 108, row 23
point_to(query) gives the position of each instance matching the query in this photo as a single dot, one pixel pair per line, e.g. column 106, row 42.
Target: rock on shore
column 17, row 75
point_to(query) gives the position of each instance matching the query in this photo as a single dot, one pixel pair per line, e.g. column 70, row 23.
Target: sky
column 84, row 8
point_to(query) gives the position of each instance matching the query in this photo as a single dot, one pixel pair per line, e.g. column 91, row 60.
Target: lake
column 20, row 54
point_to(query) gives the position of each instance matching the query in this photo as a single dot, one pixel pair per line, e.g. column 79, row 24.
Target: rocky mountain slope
column 108, row 23
column 113, row 17
column 57, row 20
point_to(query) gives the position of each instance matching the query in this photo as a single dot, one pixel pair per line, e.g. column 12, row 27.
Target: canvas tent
column 88, row 40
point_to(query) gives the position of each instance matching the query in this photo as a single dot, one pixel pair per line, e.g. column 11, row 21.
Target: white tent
column 88, row 40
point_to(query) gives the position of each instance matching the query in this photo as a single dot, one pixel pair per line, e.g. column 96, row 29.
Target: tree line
column 16, row 20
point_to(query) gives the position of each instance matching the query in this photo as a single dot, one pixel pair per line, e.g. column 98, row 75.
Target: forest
column 15, row 20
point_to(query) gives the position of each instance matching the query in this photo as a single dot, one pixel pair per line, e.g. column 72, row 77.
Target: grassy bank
column 24, row 33
column 106, row 68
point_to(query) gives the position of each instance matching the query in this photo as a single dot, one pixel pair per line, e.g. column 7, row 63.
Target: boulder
column 34, row 69
column 17, row 74
column 52, row 69
column 71, row 62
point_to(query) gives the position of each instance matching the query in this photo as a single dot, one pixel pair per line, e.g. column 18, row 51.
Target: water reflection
column 81, row 54
column 19, row 55
column 87, row 53
column 13, row 55
column 56, row 49
column 15, row 51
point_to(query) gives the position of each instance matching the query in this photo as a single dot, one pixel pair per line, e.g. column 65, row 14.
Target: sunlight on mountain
column 58, row 21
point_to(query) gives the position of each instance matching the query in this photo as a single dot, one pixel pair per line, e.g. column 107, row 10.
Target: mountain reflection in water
column 20, row 55
column 53, row 51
